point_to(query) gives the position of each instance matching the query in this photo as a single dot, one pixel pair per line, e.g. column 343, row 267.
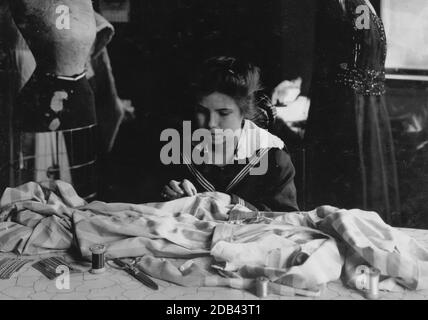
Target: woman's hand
column 176, row 190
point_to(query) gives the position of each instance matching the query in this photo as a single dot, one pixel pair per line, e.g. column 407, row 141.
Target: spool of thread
column 373, row 292
column 98, row 258
column 185, row 268
column 262, row 287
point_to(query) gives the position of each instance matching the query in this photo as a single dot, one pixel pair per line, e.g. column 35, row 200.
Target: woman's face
column 217, row 112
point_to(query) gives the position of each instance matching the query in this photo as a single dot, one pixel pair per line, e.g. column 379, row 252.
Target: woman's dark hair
column 227, row 75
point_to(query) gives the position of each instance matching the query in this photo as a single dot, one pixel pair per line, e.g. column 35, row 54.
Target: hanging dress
column 350, row 152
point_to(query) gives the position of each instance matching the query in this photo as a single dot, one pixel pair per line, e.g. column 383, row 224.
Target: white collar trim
column 253, row 138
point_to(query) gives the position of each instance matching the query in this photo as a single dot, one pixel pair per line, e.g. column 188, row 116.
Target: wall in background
column 406, row 25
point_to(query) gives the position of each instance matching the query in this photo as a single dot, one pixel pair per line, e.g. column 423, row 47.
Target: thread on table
column 373, row 292
column 262, row 287
column 186, row 267
column 98, row 258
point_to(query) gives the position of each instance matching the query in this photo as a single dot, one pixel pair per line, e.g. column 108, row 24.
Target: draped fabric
column 228, row 244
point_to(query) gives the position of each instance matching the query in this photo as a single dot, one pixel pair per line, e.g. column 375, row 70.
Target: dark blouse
column 273, row 191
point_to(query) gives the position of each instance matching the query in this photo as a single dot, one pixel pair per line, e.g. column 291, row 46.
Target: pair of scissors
column 131, row 269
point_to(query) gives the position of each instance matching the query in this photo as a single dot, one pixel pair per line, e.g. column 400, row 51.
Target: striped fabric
column 198, row 176
column 208, row 186
column 253, row 161
column 229, row 244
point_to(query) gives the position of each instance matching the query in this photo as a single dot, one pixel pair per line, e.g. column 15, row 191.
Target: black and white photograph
column 223, row 152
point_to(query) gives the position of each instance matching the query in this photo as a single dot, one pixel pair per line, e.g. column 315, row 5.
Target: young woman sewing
column 250, row 164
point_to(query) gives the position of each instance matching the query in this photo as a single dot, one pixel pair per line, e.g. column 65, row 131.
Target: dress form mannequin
column 58, row 96
column 61, row 52
column 55, row 111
